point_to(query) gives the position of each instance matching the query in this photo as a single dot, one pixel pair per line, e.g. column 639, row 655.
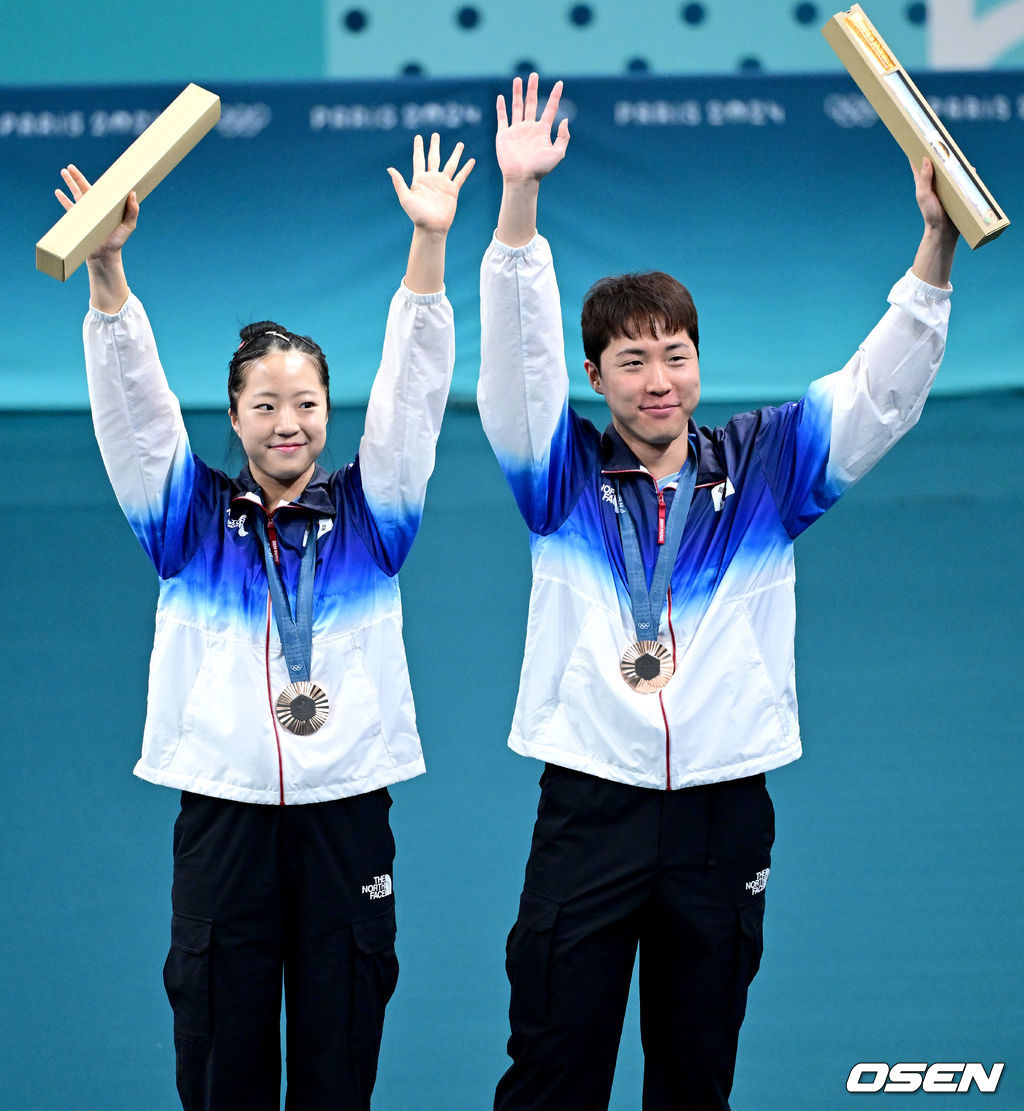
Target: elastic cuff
column 926, row 289
column 515, row 252
column 421, row 298
column 110, row 318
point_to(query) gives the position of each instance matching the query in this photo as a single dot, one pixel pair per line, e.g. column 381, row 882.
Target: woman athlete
column 279, row 698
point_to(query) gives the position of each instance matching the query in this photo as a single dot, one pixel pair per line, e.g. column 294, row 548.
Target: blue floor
column 893, row 930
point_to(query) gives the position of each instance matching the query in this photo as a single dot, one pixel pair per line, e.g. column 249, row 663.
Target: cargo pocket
column 187, row 976
column 528, row 958
column 374, row 972
column 751, row 948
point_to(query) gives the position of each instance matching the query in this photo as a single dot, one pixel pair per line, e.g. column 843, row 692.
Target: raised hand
column 79, row 185
column 523, row 142
column 927, row 200
column 430, row 200
column 108, row 287
column 432, row 196
column 933, row 262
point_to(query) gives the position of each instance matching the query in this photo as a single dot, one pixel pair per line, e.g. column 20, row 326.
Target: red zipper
column 661, row 693
column 272, row 537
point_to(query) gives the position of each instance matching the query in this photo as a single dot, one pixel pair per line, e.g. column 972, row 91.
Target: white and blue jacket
column 730, row 709
column 217, row 664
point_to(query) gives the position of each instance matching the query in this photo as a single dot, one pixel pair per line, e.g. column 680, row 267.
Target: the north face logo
column 379, row 889
column 759, row 882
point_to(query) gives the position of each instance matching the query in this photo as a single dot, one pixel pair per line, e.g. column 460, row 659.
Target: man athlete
column 658, row 678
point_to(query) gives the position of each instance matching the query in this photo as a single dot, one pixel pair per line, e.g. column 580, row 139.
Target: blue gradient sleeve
column 793, row 449
column 171, row 528
column 546, row 490
column 388, row 536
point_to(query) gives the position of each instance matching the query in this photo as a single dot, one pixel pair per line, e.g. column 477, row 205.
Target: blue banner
column 782, row 203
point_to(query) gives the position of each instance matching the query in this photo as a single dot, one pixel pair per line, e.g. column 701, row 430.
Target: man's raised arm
column 934, row 260
column 524, row 386
column 526, row 153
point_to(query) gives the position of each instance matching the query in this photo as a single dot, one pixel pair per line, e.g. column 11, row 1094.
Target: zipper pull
column 661, row 518
column 272, row 539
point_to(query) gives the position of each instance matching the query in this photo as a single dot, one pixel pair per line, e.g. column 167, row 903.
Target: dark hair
column 634, row 305
column 262, row 338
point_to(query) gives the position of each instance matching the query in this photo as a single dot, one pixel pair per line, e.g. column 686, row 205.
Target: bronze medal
column 646, row 666
column 302, row 708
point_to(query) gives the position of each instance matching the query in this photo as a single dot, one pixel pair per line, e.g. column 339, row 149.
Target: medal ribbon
column 648, row 604
column 296, row 632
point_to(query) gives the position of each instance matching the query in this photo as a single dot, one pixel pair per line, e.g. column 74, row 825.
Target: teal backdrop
column 894, row 905
column 780, row 201
column 718, row 140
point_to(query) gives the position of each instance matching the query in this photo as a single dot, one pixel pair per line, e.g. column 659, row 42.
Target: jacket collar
column 617, row 456
column 316, row 498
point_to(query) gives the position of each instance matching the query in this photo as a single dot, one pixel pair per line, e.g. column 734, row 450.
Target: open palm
column 523, row 142
column 431, row 198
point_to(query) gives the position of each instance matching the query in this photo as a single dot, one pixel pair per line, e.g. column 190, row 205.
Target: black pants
column 265, row 893
column 680, row 874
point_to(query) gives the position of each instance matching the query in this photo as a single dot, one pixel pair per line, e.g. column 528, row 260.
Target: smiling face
column 281, row 418
column 641, row 339
column 652, row 386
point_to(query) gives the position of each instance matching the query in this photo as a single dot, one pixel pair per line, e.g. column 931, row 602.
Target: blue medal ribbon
column 295, row 631
column 647, row 604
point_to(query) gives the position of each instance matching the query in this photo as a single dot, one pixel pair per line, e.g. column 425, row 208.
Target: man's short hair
column 650, row 304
